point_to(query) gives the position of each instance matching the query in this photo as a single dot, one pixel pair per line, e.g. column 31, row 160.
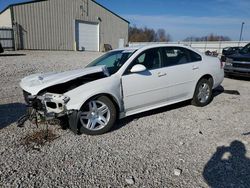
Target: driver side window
column 151, row 59
column 141, row 58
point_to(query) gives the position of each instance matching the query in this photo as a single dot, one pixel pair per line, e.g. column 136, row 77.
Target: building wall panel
column 5, row 19
column 50, row 25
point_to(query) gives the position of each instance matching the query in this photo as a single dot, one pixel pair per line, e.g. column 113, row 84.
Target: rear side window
column 194, row 56
column 177, row 56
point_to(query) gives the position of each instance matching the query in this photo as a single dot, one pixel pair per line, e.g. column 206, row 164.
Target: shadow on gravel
column 228, row 167
column 10, row 113
column 246, row 134
column 129, row 119
column 219, row 90
column 11, row 55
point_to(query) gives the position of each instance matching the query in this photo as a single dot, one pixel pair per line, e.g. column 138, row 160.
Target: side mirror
column 138, row 68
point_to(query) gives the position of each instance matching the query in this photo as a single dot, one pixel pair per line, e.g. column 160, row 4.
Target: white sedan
column 121, row 83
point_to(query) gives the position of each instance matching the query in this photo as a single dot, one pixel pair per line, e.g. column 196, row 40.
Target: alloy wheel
column 96, row 116
column 204, row 93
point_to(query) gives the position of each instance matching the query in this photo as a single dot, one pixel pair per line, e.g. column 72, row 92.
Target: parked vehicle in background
column 1, row 48
column 213, row 53
column 121, row 83
column 238, row 64
column 231, row 50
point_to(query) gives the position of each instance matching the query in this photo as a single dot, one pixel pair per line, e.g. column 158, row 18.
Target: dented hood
column 37, row 82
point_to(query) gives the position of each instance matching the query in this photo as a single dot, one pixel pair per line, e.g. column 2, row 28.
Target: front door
column 144, row 88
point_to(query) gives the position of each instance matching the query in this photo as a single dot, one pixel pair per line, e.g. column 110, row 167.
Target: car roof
column 149, row 46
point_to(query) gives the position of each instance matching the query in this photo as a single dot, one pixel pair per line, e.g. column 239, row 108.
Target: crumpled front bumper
column 48, row 106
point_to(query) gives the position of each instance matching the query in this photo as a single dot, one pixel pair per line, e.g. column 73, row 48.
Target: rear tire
column 97, row 116
column 203, row 93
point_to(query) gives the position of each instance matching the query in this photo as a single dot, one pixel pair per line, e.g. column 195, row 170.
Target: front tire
column 97, row 116
column 203, row 93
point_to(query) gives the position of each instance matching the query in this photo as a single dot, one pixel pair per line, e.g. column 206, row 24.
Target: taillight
column 222, row 61
column 221, row 64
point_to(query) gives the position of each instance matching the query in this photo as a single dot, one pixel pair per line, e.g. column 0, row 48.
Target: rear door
column 181, row 67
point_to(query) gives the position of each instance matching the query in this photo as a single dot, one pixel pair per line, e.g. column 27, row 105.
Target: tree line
column 210, row 37
column 150, row 35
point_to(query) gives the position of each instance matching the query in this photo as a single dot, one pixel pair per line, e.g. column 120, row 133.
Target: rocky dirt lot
column 176, row 146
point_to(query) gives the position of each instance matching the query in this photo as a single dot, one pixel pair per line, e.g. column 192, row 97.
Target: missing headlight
column 55, row 103
column 51, row 105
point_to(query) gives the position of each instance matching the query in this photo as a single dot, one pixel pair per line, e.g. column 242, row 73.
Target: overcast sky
column 182, row 18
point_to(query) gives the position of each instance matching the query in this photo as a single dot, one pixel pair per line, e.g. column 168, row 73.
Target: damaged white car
column 121, row 83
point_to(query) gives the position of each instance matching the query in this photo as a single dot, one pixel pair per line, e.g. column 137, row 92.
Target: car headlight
column 229, row 62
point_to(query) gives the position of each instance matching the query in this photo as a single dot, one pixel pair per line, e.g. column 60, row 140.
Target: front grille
column 246, row 59
column 241, row 65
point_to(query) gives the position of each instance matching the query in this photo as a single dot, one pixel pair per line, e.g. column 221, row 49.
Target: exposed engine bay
column 50, row 103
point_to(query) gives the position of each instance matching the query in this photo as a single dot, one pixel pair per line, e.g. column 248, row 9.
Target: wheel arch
column 206, row 76
column 209, row 77
column 80, row 129
column 196, row 102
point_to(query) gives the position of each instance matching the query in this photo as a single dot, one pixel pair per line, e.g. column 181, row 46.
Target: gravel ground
column 176, row 146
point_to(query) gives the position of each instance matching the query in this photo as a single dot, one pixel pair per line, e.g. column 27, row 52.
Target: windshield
column 113, row 60
column 246, row 49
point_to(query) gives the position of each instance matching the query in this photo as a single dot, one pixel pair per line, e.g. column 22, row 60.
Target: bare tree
column 162, row 36
column 147, row 35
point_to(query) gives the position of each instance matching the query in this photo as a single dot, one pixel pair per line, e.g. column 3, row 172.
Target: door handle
column 195, row 67
column 160, row 74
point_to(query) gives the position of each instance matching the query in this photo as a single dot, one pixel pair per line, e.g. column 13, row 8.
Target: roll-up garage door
column 87, row 36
